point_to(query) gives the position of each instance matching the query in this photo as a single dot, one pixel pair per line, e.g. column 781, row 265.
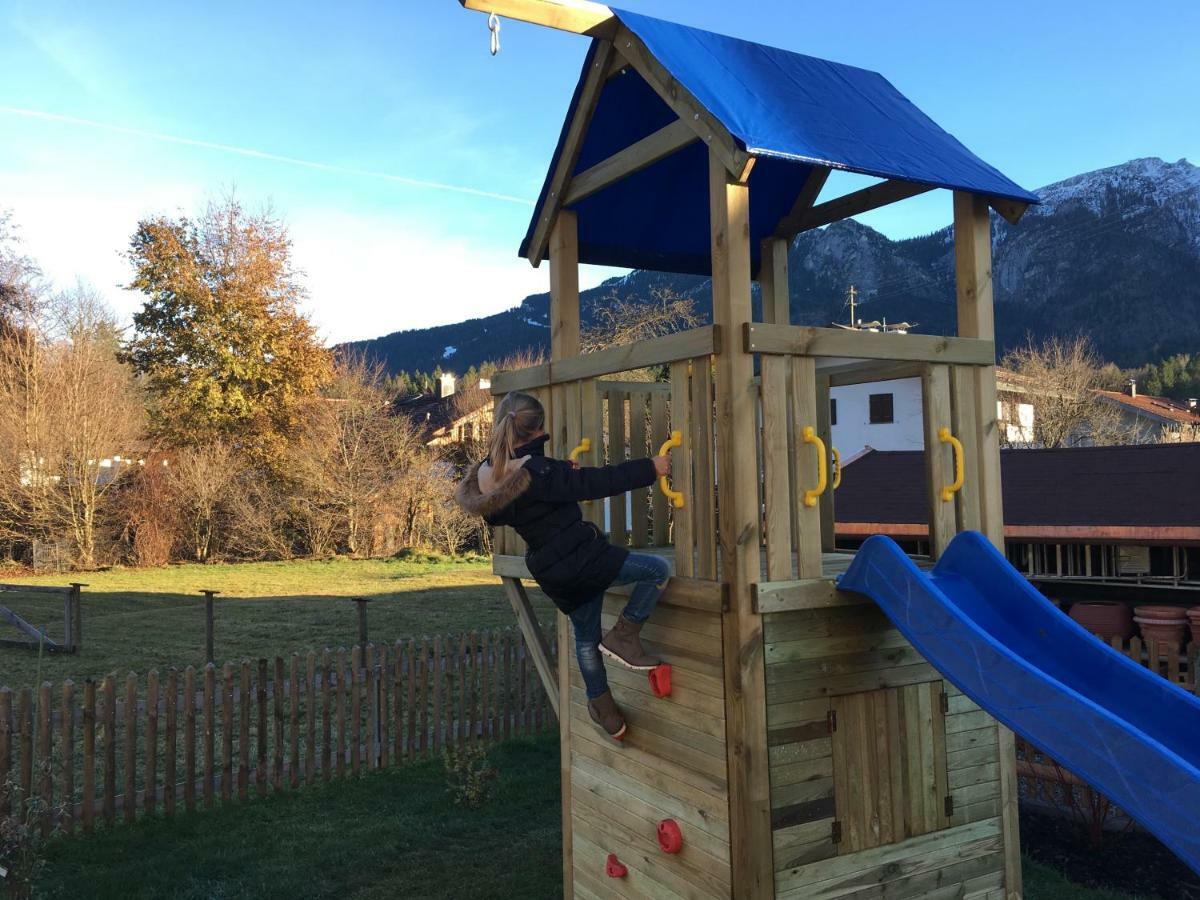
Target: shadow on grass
column 387, row 835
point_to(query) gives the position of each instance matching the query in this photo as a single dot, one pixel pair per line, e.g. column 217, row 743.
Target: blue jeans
column 649, row 575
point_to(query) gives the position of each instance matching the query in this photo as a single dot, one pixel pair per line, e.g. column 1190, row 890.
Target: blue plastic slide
column 1125, row 730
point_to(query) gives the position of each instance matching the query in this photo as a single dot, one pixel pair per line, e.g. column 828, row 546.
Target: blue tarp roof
column 790, row 110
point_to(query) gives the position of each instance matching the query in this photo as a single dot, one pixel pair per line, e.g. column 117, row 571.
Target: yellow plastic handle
column 837, row 467
column 950, row 490
column 810, row 437
column 676, row 497
column 585, row 446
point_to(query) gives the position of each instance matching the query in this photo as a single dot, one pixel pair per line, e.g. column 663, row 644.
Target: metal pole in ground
column 208, row 624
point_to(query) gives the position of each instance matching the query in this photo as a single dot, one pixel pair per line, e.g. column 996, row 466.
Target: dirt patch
column 1132, row 862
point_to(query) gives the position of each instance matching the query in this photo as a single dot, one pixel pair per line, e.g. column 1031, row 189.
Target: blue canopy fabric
column 789, row 110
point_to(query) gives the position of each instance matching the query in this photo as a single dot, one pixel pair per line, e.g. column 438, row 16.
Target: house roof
column 1144, row 490
column 790, row 111
column 1160, row 409
column 433, row 414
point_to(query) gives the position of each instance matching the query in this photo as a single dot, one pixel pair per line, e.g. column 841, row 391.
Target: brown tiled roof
column 1158, row 407
column 1138, row 489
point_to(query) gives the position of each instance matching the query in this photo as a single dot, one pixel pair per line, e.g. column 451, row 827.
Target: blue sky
column 385, row 100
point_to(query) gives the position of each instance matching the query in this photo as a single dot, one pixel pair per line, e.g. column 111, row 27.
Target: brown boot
column 625, row 646
column 604, row 713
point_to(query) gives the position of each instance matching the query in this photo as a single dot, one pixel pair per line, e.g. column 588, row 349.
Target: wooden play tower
column 806, row 749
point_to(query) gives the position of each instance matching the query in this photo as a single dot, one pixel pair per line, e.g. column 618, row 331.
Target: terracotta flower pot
column 1105, row 619
column 1194, row 620
column 1162, row 624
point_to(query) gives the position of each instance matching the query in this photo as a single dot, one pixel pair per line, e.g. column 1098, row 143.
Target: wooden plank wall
column 672, row 763
column 823, row 659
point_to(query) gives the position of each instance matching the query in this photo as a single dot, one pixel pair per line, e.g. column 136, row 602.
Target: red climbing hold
column 660, row 680
column 670, row 838
column 613, row 868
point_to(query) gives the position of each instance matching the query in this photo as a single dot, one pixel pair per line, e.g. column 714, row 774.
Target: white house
column 886, row 415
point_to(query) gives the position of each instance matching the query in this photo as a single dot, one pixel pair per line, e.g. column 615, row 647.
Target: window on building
column 881, row 409
column 833, row 411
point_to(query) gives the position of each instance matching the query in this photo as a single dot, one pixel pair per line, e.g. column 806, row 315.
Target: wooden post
column 67, row 749
column 244, row 733
column 150, row 794
column 973, row 279
column 129, row 802
column 825, row 433
column 208, row 625
column 362, row 620
column 746, row 726
column 227, row 733
column 189, row 739
column 935, row 406
column 75, row 644
column 170, row 744
column 210, row 733
column 87, row 801
column 564, row 343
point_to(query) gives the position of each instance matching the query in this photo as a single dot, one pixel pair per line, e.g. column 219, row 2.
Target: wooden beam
column 801, row 340
column 632, row 159
column 564, row 287
column 575, row 16
column 735, row 160
column 773, row 282
column 589, row 96
column 1011, row 210
column 535, row 639
column 751, row 861
column 21, row 625
column 935, row 409
column 791, row 224
column 864, row 373
column 859, row 202
column 669, row 348
column 806, row 593
column 973, row 280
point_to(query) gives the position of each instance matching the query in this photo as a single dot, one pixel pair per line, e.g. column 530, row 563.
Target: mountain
column 1113, row 254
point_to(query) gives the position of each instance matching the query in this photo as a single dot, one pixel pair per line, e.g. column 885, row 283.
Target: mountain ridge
column 1113, row 254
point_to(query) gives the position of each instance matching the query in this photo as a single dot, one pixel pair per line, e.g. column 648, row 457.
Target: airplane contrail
column 260, row 154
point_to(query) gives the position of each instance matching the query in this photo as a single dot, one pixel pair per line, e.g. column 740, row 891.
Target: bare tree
column 202, row 481
column 352, row 454
column 97, row 416
column 1064, row 375
column 619, row 322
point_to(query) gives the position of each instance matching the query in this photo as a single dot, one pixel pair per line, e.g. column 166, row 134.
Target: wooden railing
column 110, row 749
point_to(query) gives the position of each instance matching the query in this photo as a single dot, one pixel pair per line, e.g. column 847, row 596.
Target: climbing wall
column 671, row 764
column 883, row 776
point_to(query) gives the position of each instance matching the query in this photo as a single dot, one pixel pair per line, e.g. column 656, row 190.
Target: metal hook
column 494, row 28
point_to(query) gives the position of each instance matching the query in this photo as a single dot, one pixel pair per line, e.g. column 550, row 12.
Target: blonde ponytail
column 519, row 418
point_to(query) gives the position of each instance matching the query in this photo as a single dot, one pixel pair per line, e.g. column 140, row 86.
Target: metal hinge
column 836, row 833
column 831, row 720
column 945, row 703
column 949, row 807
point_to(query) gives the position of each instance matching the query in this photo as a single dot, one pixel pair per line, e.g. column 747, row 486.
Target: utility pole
column 852, row 293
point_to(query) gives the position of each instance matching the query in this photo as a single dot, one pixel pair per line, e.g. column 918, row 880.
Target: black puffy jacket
column 570, row 559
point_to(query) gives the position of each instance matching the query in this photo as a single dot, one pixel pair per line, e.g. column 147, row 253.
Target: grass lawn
column 137, row 619
column 389, row 834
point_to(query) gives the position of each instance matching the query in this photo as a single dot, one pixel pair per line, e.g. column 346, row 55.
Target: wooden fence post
column 340, row 687
column 210, row 733
column 87, row 801
column 108, row 731
column 45, row 754
column 227, row 733
column 356, row 661
column 151, row 777
column 189, row 738
column 310, row 720
column 75, row 643
column 67, row 748
column 171, row 743
column 260, row 772
column 208, row 625
column 294, row 720
column 280, row 692
column 326, row 717
column 244, row 690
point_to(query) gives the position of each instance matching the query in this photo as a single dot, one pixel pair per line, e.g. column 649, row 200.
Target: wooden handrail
column 799, row 340
column 695, row 342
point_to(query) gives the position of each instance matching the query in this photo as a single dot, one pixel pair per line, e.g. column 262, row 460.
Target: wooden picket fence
column 170, row 743
column 1044, row 783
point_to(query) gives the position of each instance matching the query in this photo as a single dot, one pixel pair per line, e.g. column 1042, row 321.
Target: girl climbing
column 570, row 558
